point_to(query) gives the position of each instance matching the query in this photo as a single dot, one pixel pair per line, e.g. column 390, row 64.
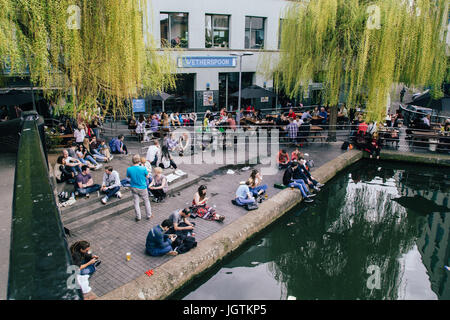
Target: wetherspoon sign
column 207, row 62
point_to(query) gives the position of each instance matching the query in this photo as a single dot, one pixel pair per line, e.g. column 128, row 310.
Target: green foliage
column 105, row 60
column 340, row 43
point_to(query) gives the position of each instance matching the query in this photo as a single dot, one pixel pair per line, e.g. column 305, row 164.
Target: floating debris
column 230, row 172
column 245, row 169
column 292, row 298
column 290, row 224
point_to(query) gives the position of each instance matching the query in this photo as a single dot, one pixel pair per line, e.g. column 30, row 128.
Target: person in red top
column 292, row 114
column 296, row 155
column 250, row 109
column 362, row 127
column 283, row 159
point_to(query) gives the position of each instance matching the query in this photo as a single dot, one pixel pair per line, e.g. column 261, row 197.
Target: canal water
column 376, row 231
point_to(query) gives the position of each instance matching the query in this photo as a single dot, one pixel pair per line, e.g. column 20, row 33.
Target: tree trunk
column 332, row 124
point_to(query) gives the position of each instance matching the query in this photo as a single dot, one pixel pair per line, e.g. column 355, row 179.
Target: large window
column 217, row 31
column 174, row 29
column 254, row 32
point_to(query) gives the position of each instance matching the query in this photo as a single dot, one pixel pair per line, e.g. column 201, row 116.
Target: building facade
column 207, row 33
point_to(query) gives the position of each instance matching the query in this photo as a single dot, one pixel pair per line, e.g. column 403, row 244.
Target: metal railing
column 39, row 254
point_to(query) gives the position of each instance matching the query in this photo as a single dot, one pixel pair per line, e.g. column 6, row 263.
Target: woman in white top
column 140, row 128
column 79, row 134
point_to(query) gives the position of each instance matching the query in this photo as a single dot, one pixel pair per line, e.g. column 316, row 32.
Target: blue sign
column 207, row 62
column 138, row 105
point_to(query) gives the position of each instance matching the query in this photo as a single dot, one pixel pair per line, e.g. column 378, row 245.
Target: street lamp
column 240, row 55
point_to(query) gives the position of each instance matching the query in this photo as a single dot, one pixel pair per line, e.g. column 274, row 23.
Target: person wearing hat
column 244, row 195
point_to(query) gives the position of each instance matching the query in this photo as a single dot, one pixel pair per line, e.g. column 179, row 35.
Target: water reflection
column 391, row 216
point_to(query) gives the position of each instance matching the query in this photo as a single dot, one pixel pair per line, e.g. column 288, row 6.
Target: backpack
column 310, row 164
column 345, row 145
column 183, row 244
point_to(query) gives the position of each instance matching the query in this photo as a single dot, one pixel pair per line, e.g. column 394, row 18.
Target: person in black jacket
column 65, row 173
column 306, row 175
column 290, row 181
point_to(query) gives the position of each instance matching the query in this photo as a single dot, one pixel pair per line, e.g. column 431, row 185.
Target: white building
column 208, row 32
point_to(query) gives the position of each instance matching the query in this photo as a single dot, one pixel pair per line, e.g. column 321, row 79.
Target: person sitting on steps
column 159, row 186
column 111, row 184
column 200, row 208
column 84, row 184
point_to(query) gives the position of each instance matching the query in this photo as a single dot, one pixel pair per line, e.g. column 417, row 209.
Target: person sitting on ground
column 243, row 194
column 302, row 166
column 81, row 257
column 373, row 147
column 159, row 186
column 296, row 155
column 73, row 164
column 256, row 188
column 180, row 223
column 84, row 184
column 62, row 172
column 117, row 146
column 158, row 243
column 166, row 159
column 153, row 153
column 200, row 208
column 283, row 159
column 289, row 181
column 111, row 184
column 300, row 173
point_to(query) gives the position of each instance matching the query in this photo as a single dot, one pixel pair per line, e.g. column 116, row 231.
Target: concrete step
column 99, row 216
column 94, row 211
column 83, row 202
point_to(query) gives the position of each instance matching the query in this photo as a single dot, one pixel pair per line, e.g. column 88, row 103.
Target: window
column 254, row 32
column 174, row 30
column 217, row 31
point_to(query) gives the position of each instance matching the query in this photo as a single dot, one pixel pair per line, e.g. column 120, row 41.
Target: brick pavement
column 113, row 238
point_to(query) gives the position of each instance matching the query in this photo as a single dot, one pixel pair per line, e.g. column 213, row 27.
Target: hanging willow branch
column 105, row 57
column 361, row 48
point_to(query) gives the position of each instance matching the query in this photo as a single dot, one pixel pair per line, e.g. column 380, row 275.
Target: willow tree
column 359, row 48
column 97, row 53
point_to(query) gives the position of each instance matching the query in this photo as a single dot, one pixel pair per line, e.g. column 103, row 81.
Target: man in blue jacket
column 158, row 243
column 117, row 146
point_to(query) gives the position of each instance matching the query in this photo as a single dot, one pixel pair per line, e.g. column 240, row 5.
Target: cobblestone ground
column 113, row 238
